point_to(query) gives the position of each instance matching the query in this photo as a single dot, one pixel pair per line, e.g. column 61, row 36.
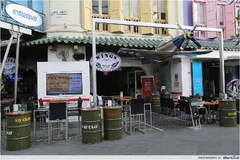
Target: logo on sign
column 10, row 66
column 24, row 15
column 107, row 61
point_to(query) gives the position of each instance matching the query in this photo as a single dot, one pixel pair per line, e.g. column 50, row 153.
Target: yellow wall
column 146, row 15
column 87, row 14
column 116, row 11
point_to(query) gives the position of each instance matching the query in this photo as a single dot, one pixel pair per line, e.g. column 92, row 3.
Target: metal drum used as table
column 156, row 104
column 238, row 109
column 113, row 129
column 91, row 125
column 227, row 113
column 18, row 130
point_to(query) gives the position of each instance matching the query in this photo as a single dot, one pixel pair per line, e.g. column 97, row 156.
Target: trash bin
column 18, row 130
column 113, row 129
column 91, row 125
column 156, row 104
column 227, row 113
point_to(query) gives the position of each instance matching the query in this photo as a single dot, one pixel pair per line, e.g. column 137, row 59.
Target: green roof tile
column 126, row 42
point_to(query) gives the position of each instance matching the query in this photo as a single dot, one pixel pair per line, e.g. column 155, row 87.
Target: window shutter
column 87, row 15
column 229, row 21
column 116, row 11
column 211, row 17
column 146, row 15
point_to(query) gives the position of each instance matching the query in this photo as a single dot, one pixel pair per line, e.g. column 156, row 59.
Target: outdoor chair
column 170, row 106
column 76, row 111
column 137, row 115
column 42, row 115
column 148, row 107
column 194, row 114
column 57, row 113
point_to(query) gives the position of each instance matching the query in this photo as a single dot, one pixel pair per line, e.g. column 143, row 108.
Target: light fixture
column 75, row 47
column 78, row 55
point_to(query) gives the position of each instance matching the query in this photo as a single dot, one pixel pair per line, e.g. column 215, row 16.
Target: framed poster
column 147, row 85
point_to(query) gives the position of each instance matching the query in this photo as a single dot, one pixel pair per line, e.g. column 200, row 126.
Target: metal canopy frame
column 16, row 32
column 156, row 25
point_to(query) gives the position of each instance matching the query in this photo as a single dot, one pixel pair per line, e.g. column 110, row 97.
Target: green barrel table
column 156, row 104
column 227, row 113
column 91, row 126
column 113, row 129
column 18, row 130
column 238, row 109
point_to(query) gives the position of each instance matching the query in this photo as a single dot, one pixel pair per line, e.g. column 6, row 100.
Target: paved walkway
column 177, row 138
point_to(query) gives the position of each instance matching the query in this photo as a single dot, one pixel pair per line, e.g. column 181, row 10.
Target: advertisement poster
column 64, row 83
column 147, row 85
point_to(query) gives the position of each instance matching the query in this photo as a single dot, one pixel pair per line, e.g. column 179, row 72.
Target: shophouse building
column 67, row 37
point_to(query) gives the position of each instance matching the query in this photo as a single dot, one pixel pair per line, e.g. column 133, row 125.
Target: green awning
column 127, row 42
column 100, row 40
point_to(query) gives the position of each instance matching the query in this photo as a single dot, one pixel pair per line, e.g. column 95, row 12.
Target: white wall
column 54, row 67
column 186, row 76
column 176, row 74
column 55, row 50
column 183, row 82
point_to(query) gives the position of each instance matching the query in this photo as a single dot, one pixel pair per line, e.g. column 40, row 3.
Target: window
column 105, row 7
column 160, row 15
column 127, row 8
column 220, row 15
column 201, row 13
column 198, row 10
column 95, row 7
column 163, row 6
column 159, row 9
column 238, row 17
column 131, row 14
column 135, row 8
column 199, row 18
column 100, row 10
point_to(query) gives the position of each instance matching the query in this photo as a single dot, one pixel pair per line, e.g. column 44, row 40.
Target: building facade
column 67, row 37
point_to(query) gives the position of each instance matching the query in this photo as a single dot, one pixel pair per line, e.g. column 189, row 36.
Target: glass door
column 134, row 82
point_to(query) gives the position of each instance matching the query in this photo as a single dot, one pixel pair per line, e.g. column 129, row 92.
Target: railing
column 6, row 18
column 101, row 27
column 131, row 29
column 160, row 31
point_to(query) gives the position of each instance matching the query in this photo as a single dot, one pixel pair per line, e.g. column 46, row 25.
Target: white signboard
column 107, row 61
column 24, row 15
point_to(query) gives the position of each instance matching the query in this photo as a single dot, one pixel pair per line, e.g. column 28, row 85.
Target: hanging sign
column 147, row 85
column 107, row 61
column 10, row 66
column 24, row 15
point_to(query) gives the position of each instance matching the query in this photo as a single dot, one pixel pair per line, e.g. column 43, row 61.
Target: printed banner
column 147, row 85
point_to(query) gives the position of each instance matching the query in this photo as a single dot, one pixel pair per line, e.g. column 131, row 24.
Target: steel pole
column 222, row 75
column 94, row 76
column 17, row 64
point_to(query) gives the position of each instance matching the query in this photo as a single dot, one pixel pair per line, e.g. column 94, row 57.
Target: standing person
column 232, row 89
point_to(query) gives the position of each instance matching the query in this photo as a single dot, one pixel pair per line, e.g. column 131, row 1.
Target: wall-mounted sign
column 107, row 61
column 233, row 57
column 10, row 66
column 57, row 12
column 24, row 15
column 147, row 85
